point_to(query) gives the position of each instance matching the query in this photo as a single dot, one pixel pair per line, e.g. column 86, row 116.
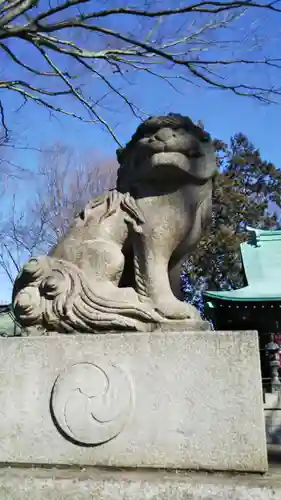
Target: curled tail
column 56, row 295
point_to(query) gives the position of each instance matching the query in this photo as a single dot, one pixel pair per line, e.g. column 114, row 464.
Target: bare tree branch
column 191, row 51
column 12, row 10
column 24, row 65
column 3, row 122
column 205, row 7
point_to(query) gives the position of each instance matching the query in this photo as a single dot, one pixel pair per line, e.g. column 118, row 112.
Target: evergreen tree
column 246, row 192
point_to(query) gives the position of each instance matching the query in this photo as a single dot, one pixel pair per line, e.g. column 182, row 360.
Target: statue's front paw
column 177, row 310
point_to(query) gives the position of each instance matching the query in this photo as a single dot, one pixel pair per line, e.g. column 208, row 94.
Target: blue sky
column 223, row 115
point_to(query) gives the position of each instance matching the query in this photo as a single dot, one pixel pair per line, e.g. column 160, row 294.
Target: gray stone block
column 94, row 484
column 180, row 400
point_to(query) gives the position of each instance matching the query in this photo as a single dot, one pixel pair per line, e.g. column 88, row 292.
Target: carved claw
column 178, row 311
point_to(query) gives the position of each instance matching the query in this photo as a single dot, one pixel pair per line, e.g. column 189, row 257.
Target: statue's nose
column 164, row 134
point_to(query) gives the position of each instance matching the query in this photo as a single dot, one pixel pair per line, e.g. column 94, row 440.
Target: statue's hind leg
column 104, row 268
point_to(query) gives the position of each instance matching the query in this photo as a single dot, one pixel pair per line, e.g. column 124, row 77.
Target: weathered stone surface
column 119, row 265
column 95, row 484
column 187, row 400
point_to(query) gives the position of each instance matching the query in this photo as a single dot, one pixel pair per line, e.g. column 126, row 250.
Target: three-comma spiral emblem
column 91, row 404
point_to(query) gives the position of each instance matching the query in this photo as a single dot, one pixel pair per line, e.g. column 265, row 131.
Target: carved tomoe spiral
column 90, row 404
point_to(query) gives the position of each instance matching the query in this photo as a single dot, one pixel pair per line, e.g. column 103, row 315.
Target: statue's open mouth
column 173, row 160
column 179, row 165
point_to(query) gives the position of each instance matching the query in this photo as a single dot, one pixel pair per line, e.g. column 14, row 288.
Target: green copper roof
column 261, row 257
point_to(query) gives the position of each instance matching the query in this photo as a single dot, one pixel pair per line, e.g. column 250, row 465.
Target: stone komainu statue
column 118, row 267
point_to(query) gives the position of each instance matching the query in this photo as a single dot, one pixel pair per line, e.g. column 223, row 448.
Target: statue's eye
column 150, row 132
column 153, row 130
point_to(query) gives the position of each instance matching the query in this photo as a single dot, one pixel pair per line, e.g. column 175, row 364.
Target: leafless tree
column 11, row 168
column 56, row 51
column 7, row 167
column 64, row 183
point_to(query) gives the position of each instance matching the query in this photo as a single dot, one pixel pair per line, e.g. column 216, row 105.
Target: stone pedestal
column 180, row 401
column 103, row 484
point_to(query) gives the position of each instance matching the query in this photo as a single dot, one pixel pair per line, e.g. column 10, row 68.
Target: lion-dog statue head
column 166, row 146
